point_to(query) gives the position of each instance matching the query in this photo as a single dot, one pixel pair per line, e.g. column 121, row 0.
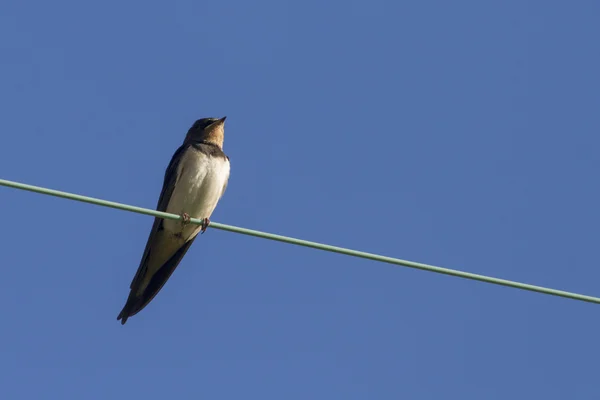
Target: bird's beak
column 222, row 120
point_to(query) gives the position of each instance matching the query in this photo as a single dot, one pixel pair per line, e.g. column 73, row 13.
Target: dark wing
column 136, row 304
column 165, row 196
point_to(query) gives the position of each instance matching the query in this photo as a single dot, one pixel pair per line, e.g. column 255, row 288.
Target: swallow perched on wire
column 194, row 182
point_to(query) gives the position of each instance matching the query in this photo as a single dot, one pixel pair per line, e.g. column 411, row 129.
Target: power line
column 305, row 243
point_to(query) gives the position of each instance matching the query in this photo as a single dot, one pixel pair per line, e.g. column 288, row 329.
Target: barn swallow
column 194, row 182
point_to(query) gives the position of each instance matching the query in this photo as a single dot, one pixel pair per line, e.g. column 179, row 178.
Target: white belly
column 197, row 191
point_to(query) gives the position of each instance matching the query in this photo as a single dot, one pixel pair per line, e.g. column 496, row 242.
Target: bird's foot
column 185, row 219
column 205, row 224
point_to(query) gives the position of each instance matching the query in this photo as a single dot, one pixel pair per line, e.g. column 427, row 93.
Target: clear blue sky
column 463, row 134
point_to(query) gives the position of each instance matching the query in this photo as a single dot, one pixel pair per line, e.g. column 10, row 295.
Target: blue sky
column 462, row 134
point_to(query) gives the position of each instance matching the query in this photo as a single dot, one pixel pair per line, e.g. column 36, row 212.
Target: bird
column 194, row 182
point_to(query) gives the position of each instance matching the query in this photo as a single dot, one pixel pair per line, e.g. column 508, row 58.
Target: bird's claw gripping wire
column 205, row 224
column 185, row 219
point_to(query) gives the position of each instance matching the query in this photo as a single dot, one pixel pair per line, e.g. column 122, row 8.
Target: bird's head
column 211, row 130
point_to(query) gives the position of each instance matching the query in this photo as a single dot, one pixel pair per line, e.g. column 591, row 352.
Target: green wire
column 306, row 243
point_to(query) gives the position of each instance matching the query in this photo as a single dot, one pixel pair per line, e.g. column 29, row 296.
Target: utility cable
column 305, row 243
